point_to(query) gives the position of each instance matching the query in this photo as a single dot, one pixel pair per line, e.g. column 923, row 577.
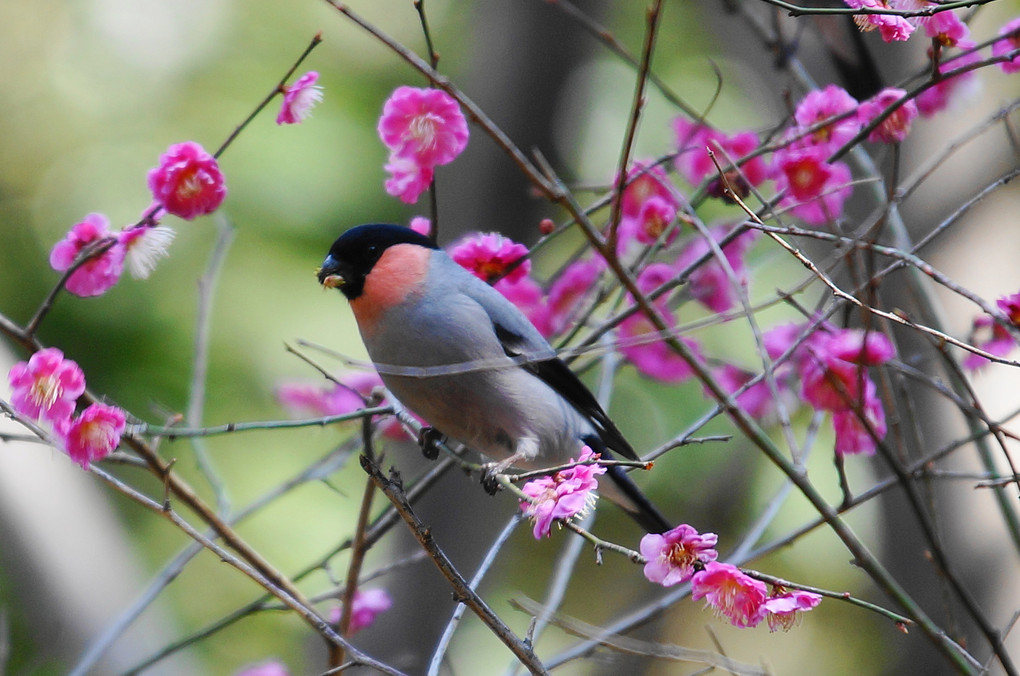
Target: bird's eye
column 372, row 249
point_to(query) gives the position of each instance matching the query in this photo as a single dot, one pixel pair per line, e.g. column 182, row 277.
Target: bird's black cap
column 355, row 252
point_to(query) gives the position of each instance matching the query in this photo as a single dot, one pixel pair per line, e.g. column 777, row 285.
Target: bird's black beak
column 330, row 273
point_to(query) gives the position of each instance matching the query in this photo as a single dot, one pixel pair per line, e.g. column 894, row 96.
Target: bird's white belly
column 476, row 410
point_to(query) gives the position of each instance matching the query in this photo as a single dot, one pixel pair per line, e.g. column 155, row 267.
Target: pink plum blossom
column 648, row 207
column 527, row 295
column 188, row 181
column 674, row 556
column 1009, row 43
column 816, row 189
column 408, row 179
column 421, row 225
column 366, row 605
column 831, row 372
column 695, row 140
column 652, row 221
column 756, row 400
column 94, row 434
column 731, row 593
column 566, row 293
column 641, row 345
column 804, row 171
column 818, row 106
column 640, row 342
column 990, row 336
column 709, row 283
column 951, row 89
column 299, row 99
column 890, row 26
column 47, row 386
column 784, row 607
column 947, row 29
column 831, row 364
column 645, row 181
column 423, row 128
column 144, row 245
column 870, row 348
column 331, row 399
column 101, row 272
column 491, row 256
column 852, row 435
column 563, row 495
column 896, row 126
column 1010, row 305
column 779, row 339
column 654, row 276
column 271, row 668
column 830, row 384
column 424, row 125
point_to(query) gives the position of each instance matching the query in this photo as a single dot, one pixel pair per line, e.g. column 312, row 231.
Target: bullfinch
column 458, row 353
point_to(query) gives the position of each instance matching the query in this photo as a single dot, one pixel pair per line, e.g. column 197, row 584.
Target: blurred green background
column 93, row 91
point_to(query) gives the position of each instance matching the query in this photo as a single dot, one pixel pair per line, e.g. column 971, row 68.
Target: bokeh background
column 93, row 91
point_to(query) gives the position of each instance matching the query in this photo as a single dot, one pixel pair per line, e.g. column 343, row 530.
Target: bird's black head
column 355, row 252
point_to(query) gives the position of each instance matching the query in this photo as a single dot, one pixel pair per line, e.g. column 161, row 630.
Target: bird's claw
column 490, row 482
column 429, row 439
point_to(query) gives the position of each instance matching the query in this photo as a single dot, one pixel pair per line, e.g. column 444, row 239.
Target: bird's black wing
column 557, row 375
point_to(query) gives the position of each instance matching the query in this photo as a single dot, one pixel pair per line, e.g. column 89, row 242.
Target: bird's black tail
column 641, row 510
column 627, row 495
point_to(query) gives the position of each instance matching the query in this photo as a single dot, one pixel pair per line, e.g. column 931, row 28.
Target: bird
column 458, row 353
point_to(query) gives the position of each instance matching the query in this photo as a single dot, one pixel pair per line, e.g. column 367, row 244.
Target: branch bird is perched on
column 455, row 351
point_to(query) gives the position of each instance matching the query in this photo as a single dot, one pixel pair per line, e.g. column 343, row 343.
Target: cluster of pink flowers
column 140, row 246
column 694, row 164
column 346, row 396
column 946, row 31
column 944, row 27
column 186, row 183
column 46, row 389
column 494, row 258
column 684, row 554
column 890, row 26
column 648, row 208
column 813, row 188
column 831, row 364
column 745, row 602
column 423, row 129
column 563, row 495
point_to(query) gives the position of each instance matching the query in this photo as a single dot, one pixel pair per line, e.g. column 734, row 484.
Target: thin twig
column 200, row 362
column 465, row 594
column 439, row 654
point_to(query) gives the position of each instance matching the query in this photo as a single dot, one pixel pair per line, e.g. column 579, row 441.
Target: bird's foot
column 490, row 474
column 429, row 439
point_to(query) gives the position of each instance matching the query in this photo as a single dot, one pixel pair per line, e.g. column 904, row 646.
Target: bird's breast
column 400, row 273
